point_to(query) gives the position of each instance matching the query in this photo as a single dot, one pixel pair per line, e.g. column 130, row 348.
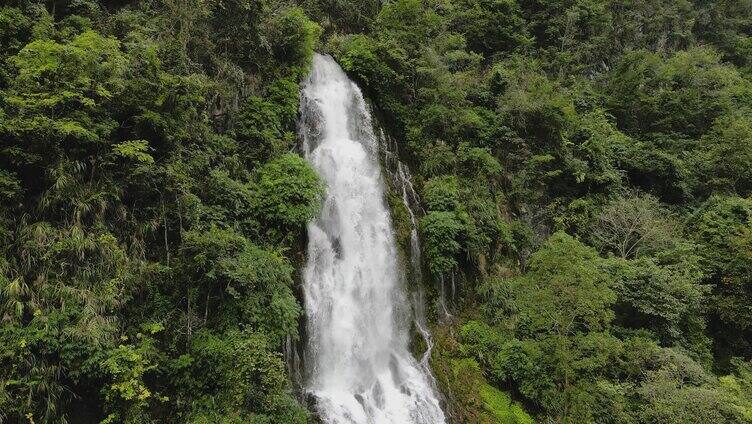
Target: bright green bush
column 287, row 194
column 441, row 193
column 501, row 407
column 441, row 232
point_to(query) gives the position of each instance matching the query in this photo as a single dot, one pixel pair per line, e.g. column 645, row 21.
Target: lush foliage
column 584, row 168
column 585, row 171
column 149, row 210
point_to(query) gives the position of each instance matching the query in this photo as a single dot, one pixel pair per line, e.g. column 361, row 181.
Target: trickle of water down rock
column 358, row 366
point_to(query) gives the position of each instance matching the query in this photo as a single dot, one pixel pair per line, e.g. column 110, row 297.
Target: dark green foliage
column 722, row 228
column 664, row 298
column 239, row 374
column 558, row 315
column 148, row 208
column 259, row 129
column 682, row 94
column 15, row 32
column 615, row 121
column 491, row 26
column 727, row 25
column 552, row 337
column 725, row 155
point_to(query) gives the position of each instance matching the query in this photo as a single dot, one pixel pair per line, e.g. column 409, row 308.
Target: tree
column 491, row 26
column 634, row 224
column 564, row 291
column 722, row 228
column 666, row 297
column 680, row 391
column 558, row 314
column 726, row 154
column 681, row 95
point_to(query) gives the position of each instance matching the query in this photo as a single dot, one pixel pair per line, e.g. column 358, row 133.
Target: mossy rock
column 471, row 400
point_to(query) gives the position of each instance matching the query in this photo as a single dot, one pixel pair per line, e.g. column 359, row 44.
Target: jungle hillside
column 584, row 169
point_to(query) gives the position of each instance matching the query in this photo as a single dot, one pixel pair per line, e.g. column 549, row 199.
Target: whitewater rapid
column 358, row 366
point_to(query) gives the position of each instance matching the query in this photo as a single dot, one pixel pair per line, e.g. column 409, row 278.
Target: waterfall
column 358, row 366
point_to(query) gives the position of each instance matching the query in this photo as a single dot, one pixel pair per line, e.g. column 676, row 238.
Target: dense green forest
column 585, row 167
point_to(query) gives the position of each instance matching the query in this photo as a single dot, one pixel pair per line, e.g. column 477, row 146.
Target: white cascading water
column 359, row 368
